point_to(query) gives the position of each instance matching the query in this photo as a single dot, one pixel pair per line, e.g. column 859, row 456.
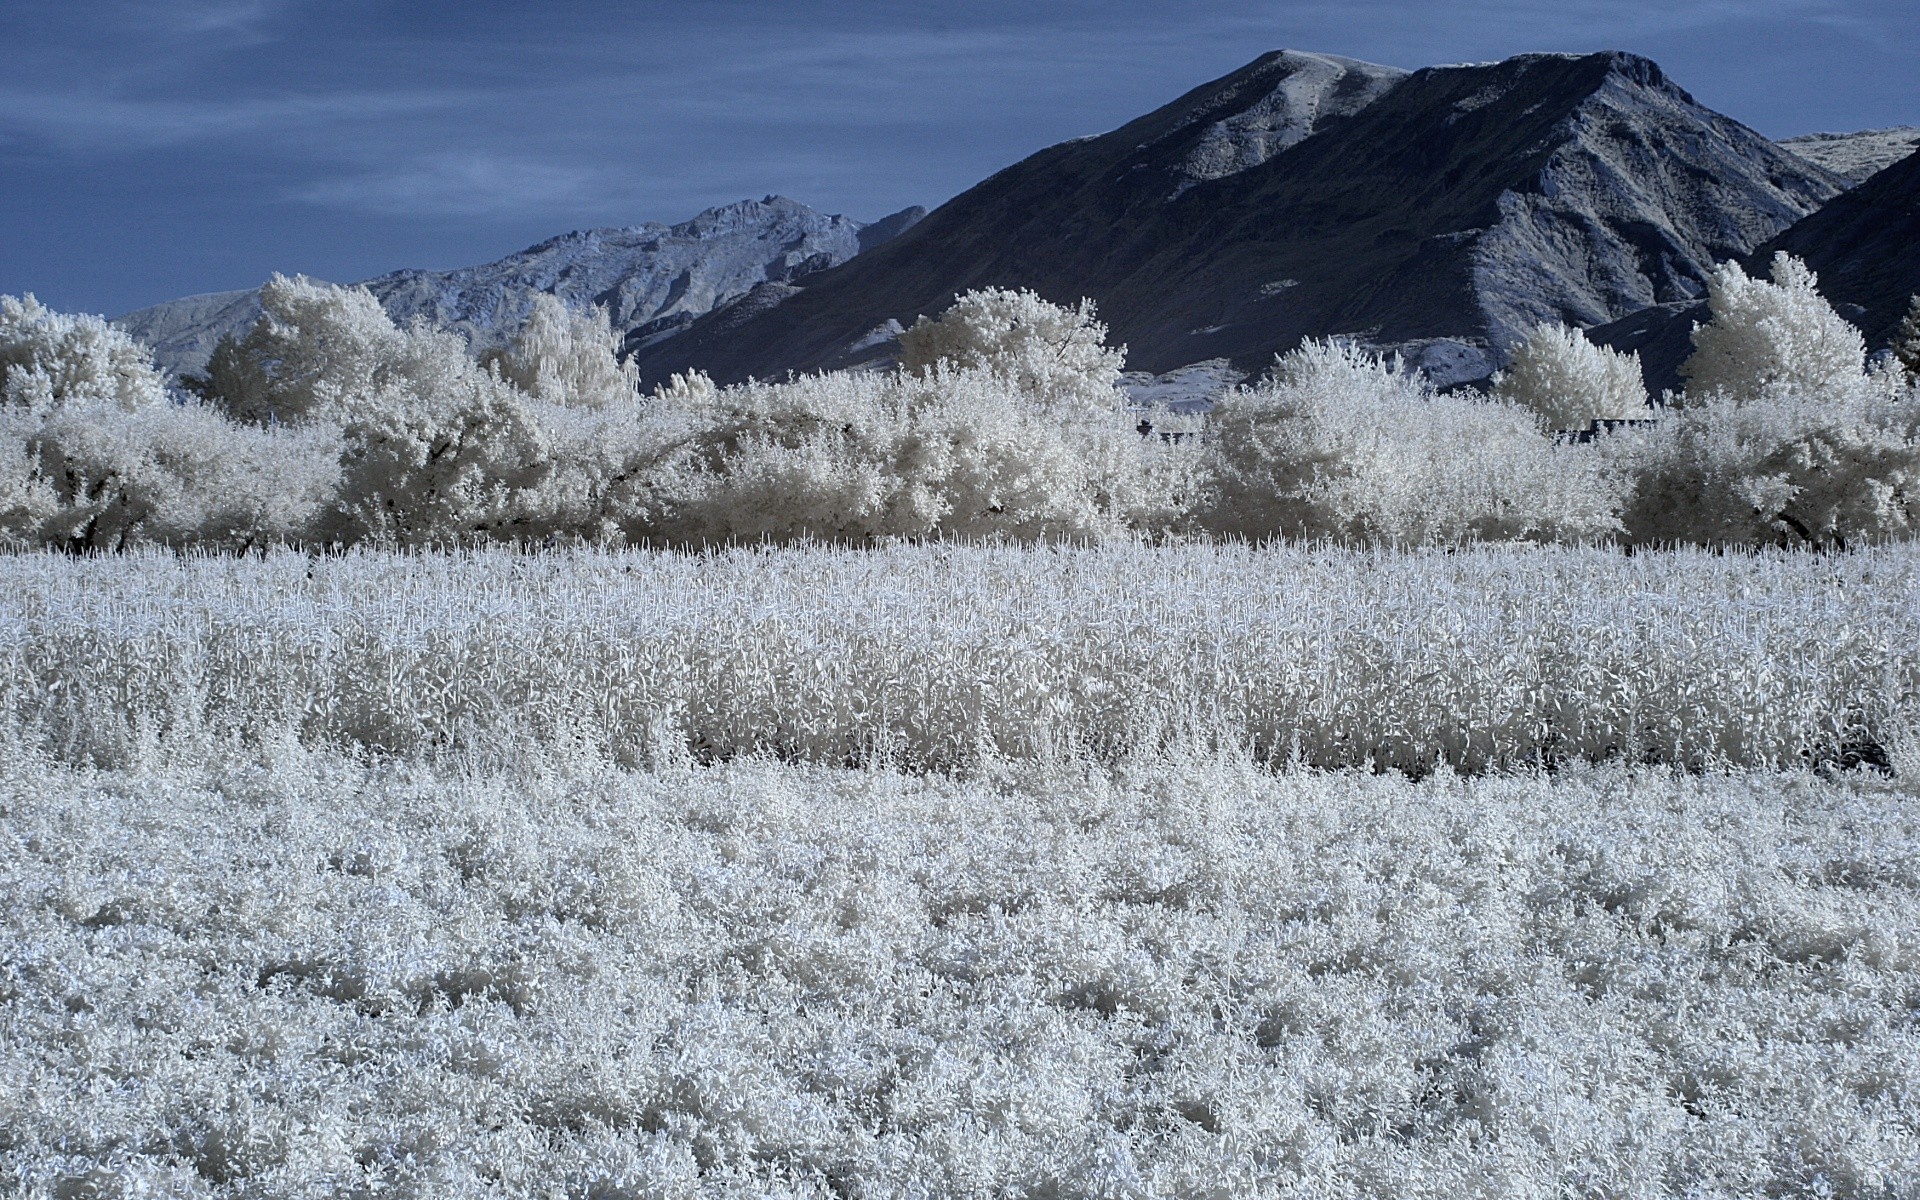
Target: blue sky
column 153, row 148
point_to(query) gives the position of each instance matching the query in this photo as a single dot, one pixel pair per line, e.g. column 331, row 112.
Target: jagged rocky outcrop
column 656, row 275
column 1864, row 245
column 1856, row 156
column 1440, row 212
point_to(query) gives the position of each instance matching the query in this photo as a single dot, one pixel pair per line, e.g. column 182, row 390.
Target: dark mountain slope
column 1441, row 212
column 1864, row 245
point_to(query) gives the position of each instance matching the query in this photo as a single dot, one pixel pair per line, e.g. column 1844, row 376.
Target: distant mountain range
column 652, row 278
column 1439, row 213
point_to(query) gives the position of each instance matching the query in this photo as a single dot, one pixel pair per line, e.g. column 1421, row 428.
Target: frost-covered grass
column 938, row 655
column 292, row 973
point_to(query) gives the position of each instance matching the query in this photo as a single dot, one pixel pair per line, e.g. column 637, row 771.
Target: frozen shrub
column 1045, row 350
column 567, row 358
column 315, row 349
column 1339, row 443
column 1772, row 336
column 93, row 453
column 1783, row 437
column 939, row 451
column 1570, row 382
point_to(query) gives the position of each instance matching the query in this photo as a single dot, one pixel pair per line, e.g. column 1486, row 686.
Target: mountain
column 1440, row 213
column 1864, row 245
column 656, row 276
column 1856, row 156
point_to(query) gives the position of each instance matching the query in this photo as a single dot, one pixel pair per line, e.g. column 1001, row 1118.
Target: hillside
column 1440, row 213
column 653, row 275
column 1864, row 245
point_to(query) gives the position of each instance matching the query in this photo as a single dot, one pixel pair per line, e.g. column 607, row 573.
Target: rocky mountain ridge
column 1439, row 213
column 654, row 276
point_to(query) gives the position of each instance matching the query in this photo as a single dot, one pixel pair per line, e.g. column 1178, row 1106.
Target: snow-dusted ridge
column 645, row 275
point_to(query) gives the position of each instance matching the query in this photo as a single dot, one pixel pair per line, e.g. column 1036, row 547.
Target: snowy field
column 949, row 871
column 292, row 974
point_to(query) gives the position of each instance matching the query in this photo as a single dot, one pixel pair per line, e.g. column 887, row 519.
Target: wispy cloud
column 465, row 184
column 91, row 120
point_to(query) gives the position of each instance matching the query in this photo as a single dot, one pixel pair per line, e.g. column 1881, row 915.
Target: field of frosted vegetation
column 949, row 870
column 436, row 774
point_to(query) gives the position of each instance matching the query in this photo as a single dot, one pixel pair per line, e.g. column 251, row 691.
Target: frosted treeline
column 281, row 974
column 327, row 425
column 944, row 655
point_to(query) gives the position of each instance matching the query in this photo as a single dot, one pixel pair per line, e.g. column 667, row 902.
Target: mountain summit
column 1440, row 213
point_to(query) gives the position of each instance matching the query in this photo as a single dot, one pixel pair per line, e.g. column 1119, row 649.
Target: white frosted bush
column 95, row 455
column 1778, row 336
column 1559, row 374
column 1045, row 350
column 941, row 451
column 1816, row 470
column 567, row 358
column 180, row 475
column 434, row 448
column 49, row 360
column 316, row 349
column 1340, row 443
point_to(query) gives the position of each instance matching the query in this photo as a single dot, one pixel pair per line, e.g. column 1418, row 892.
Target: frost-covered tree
column 1772, row 336
column 1788, row 468
column 51, row 360
column 1340, row 443
column 316, row 350
column 1045, row 350
column 1569, row 381
column 565, row 357
column 1906, row 341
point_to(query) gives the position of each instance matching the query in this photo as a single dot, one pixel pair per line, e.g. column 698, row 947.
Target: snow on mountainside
column 654, row 275
column 1439, row 213
column 1855, row 156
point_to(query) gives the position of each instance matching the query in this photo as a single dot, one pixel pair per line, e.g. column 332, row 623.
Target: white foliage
column 1778, row 336
column 50, row 360
column 953, row 655
column 1559, row 374
column 939, row 451
column 1045, row 350
column 317, row 349
column 178, row 475
column 1821, row 470
column 567, row 358
column 271, row 973
column 1339, row 443
column 434, row 448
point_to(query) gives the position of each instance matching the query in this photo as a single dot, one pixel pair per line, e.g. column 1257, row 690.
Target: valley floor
column 287, row 973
